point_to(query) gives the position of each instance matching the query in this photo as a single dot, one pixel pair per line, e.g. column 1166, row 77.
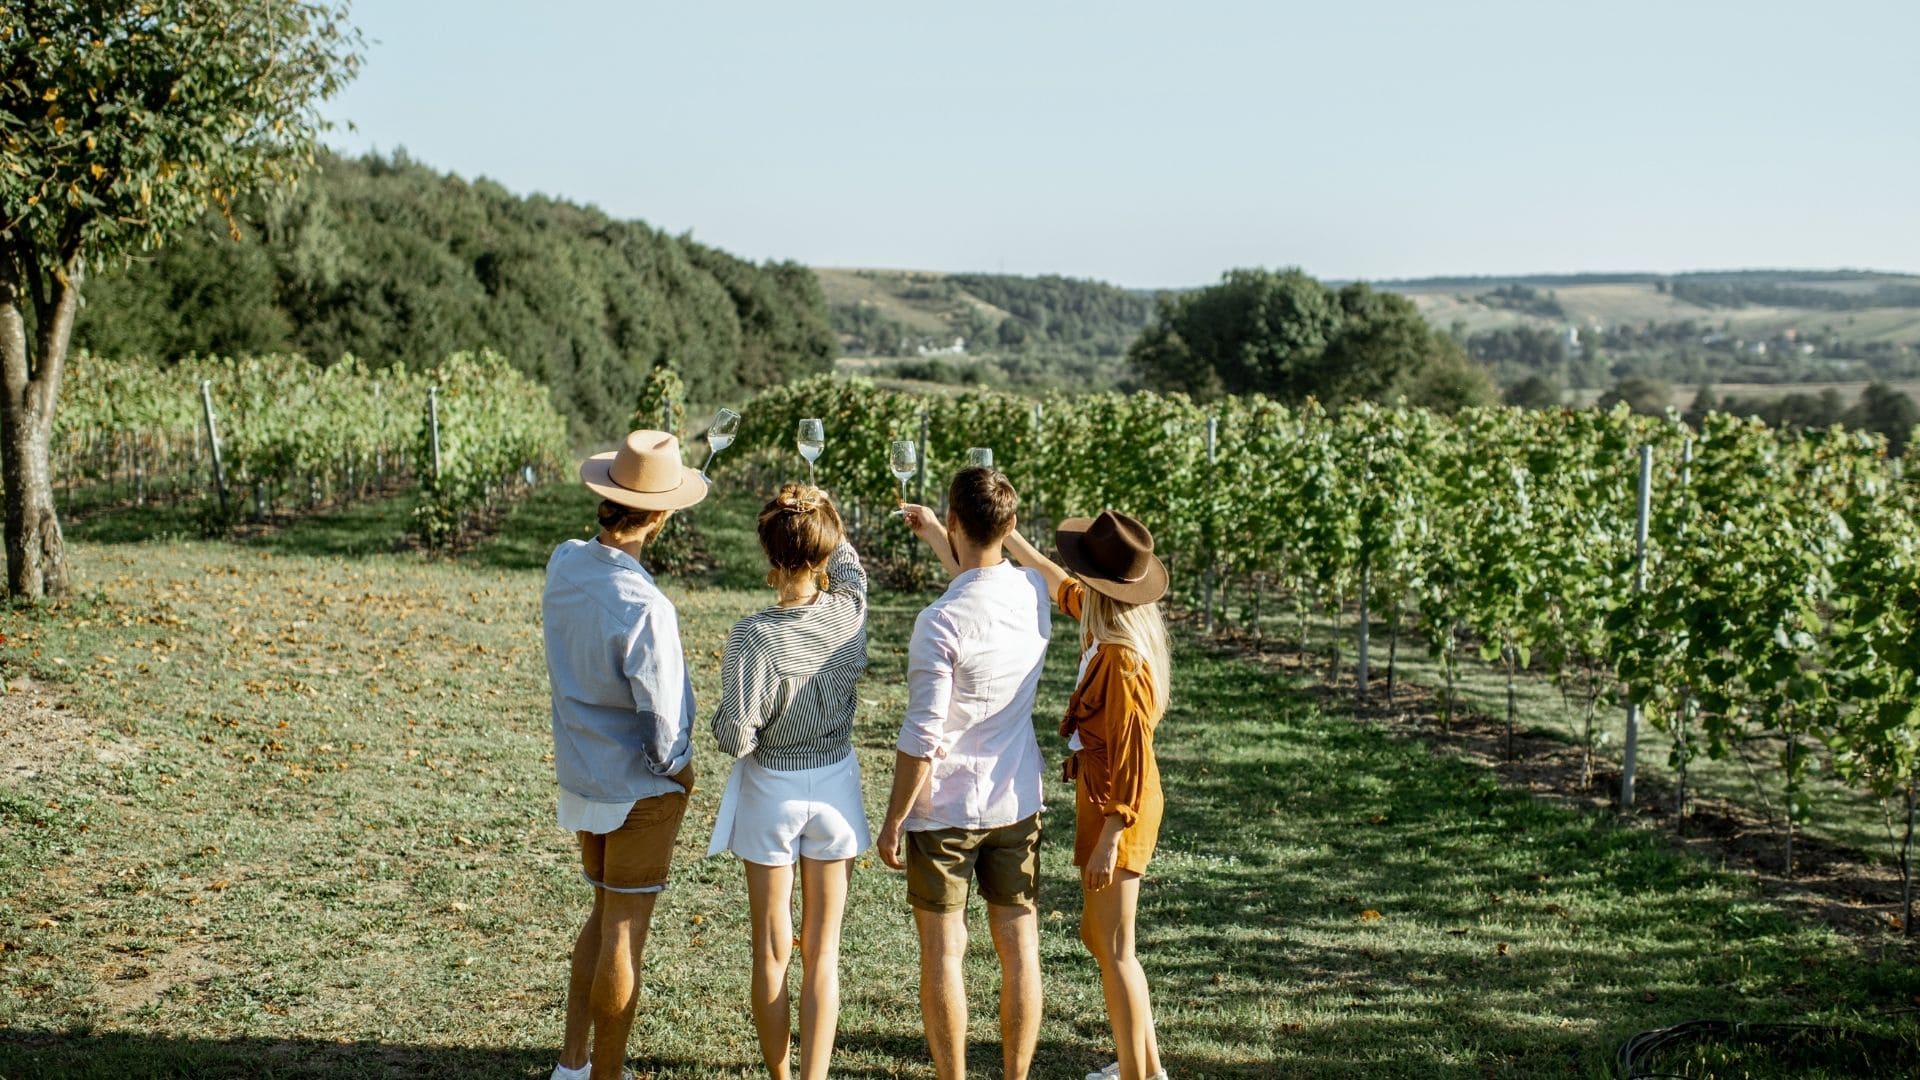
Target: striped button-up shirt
column 788, row 676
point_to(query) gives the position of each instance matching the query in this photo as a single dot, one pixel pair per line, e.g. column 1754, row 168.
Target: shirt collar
column 979, row 571
column 615, row 557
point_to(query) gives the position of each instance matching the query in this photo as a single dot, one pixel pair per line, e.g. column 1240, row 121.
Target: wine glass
column 904, row 461
column 981, row 456
column 811, row 438
column 720, row 433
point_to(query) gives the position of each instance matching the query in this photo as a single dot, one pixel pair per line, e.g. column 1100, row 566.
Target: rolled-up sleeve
column 656, row 669
column 845, row 576
column 929, row 687
column 746, row 695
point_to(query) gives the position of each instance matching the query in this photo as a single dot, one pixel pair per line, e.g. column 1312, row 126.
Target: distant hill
column 399, row 264
column 1745, row 326
column 1584, row 331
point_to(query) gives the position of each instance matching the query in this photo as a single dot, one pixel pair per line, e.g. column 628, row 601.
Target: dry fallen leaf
column 1371, row 915
column 1500, row 949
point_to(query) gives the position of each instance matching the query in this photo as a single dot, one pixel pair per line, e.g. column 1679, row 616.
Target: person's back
column 966, row 786
column 973, row 671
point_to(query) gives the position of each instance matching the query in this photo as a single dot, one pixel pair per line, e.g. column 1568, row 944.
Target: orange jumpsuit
column 1115, row 773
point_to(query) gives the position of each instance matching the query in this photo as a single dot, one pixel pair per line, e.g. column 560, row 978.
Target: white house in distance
column 958, row 348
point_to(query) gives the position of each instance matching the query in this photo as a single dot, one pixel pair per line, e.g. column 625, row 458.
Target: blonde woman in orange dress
column 1112, row 582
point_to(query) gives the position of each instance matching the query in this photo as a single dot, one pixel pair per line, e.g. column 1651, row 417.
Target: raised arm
column 845, row 576
column 927, row 526
column 1029, row 556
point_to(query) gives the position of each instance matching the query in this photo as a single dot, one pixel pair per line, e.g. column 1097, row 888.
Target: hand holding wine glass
column 903, row 460
column 811, row 437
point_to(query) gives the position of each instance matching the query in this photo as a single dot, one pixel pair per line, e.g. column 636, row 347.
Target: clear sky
column 1160, row 144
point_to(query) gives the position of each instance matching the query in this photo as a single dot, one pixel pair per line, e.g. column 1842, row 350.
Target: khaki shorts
column 636, row 857
column 942, row 863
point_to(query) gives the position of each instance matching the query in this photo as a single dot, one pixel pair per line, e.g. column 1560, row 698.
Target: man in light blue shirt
column 622, row 733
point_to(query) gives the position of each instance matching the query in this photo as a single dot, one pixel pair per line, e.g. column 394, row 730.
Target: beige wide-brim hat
column 646, row 473
column 1113, row 555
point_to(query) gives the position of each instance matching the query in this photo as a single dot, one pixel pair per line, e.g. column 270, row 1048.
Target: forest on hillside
column 398, row 264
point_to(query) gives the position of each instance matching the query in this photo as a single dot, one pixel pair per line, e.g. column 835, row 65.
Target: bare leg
column 616, row 978
column 1016, row 937
column 823, row 899
column 770, row 908
column 1106, row 927
column 943, row 989
column 586, row 954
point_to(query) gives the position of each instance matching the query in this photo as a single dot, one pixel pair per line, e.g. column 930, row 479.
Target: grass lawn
column 296, row 819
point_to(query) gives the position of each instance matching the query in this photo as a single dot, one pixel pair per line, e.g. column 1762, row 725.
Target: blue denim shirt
column 622, row 697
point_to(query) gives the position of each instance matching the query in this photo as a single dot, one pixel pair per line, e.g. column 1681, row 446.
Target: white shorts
column 772, row 817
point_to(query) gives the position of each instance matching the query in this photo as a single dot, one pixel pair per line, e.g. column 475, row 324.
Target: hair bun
column 795, row 499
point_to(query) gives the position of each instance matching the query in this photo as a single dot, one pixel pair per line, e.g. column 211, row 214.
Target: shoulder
column 563, row 555
column 1119, row 662
column 934, row 622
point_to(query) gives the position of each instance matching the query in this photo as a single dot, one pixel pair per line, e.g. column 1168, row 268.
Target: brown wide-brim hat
column 1113, row 555
column 646, row 473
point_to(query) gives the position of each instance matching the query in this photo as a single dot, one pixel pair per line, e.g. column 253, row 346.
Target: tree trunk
column 30, row 370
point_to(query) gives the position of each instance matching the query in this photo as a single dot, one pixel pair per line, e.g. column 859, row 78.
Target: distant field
column 1616, row 304
column 890, row 291
column 1683, row 395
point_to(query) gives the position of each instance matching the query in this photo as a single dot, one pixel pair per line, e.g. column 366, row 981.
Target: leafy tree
column 1883, row 409
column 1286, row 335
column 1648, row 397
column 399, row 264
column 1535, row 392
column 122, row 123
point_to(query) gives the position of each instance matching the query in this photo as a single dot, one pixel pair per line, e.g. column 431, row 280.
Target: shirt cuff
column 920, row 745
column 1127, row 814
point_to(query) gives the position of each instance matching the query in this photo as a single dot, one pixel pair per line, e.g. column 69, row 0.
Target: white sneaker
column 584, row 1072
column 1113, row 1070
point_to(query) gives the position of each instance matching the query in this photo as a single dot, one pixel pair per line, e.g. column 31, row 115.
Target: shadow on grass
column 28, row 1054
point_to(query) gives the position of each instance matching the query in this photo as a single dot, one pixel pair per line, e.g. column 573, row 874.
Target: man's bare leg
column 616, row 978
column 586, row 955
column 1016, row 937
column 943, row 989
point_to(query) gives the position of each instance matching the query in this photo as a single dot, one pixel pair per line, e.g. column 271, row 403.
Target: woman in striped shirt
column 786, row 717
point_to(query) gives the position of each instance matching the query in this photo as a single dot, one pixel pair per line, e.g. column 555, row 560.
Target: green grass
column 296, row 820
column 1842, row 816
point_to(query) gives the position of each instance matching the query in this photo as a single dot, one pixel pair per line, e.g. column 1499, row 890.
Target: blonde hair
column 799, row 528
column 1138, row 627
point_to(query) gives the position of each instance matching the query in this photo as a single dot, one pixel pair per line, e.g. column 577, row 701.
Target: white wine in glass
column 903, row 461
column 811, row 437
column 720, row 433
column 981, row 456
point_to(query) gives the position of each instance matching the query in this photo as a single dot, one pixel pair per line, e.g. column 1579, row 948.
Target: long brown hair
column 799, row 528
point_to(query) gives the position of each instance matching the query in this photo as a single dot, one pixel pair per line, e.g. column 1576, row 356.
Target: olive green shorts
column 943, row 863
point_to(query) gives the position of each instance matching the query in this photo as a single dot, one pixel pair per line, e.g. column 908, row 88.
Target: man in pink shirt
column 966, row 786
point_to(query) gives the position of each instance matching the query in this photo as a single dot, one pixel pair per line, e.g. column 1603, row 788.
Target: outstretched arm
column 1029, row 556
column 926, row 525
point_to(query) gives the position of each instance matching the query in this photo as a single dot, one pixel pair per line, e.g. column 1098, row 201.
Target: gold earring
column 820, row 580
column 773, row 580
